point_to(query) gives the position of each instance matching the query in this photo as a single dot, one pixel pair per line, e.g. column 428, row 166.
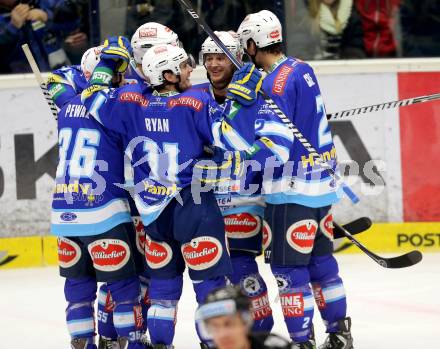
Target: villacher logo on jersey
column 242, row 225
column 301, row 235
column 109, row 254
column 157, row 254
column 69, row 252
column 202, row 252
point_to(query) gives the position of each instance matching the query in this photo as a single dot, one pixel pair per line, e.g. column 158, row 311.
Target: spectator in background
column 379, row 23
column 420, row 23
column 27, row 21
column 339, row 27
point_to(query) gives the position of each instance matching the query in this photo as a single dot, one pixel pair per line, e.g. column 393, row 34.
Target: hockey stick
column 403, row 261
column 296, row 133
column 53, row 108
column 354, row 227
column 378, row 107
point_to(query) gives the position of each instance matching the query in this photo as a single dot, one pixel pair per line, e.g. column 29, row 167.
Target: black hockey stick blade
column 354, row 227
column 406, row 260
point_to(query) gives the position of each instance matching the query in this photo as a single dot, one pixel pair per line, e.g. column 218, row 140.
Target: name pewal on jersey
column 293, row 86
column 86, row 200
column 65, row 83
column 245, row 196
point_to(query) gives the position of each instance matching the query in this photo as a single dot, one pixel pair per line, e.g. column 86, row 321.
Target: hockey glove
column 245, row 84
column 118, row 50
column 222, row 166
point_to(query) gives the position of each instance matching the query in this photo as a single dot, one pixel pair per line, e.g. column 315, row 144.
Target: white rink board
column 390, row 309
column 25, row 114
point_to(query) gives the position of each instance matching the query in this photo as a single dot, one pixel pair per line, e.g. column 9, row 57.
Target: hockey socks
column 245, row 273
column 296, row 300
column 127, row 313
column 328, row 290
column 164, row 296
column 106, row 306
column 80, row 295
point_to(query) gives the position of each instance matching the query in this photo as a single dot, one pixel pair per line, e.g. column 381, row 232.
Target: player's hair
column 273, row 49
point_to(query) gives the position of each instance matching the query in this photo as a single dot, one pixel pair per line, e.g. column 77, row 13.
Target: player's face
column 228, row 332
column 185, row 73
column 219, row 68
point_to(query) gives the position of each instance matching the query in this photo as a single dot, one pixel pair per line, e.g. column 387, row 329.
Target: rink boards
column 18, row 252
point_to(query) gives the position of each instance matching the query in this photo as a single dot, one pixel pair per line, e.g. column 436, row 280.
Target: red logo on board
column 242, row 225
column 68, row 252
column 109, row 254
column 301, row 235
column 202, row 252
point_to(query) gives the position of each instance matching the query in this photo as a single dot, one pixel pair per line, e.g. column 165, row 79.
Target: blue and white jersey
column 88, row 198
column 168, row 134
column 239, row 135
column 293, row 86
column 66, row 83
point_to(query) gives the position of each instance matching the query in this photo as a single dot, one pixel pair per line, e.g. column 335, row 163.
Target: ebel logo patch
column 202, row 252
column 68, row 216
column 109, row 254
column 326, row 226
column 301, row 235
column 157, row 254
column 191, row 102
column 242, row 225
column 69, row 252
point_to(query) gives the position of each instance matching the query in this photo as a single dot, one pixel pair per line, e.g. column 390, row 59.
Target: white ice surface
column 390, row 308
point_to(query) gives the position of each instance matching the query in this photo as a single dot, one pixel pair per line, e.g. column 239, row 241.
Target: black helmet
column 227, row 300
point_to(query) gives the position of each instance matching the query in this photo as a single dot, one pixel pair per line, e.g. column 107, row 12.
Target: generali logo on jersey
column 157, row 254
column 242, row 225
column 280, row 81
column 109, row 254
column 191, row 102
column 326, row 226
column 133, row 97
column 267, row 235
column 301, row 235
column 148, row 33
column 202, row 252
column 292, row 304
column 68, row 252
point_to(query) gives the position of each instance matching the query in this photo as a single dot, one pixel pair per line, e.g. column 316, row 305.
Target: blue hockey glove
column 245, row 84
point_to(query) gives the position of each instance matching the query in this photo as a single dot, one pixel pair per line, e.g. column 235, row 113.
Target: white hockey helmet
column 161, row 58
column 150, row 34
column 230, row 39
column 263, row 27
column 90, row 60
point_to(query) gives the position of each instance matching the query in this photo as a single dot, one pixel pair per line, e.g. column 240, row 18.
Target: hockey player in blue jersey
column 243, row 214
column 299, row 198
column 91, row 217
column 169, row 131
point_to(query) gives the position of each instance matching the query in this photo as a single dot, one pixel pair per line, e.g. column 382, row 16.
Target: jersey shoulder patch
column 281, row 78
